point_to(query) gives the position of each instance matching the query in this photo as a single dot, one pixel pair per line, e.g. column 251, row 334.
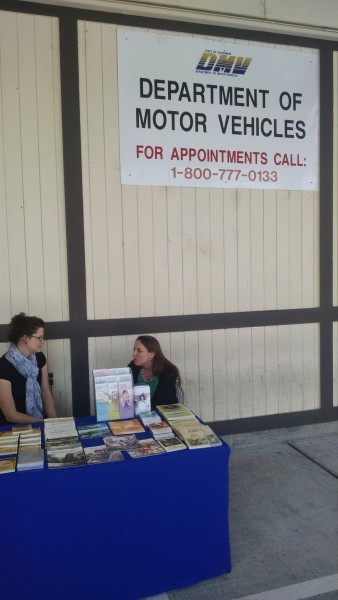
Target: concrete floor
column 283, row 518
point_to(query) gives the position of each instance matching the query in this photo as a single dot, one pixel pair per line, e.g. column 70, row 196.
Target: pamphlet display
column 113, row 391
column 142, row 399
column 169, row 428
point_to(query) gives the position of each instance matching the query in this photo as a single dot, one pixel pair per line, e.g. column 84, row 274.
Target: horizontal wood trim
column 296, row 419
column 167, row 324
column 167, row 24
column 111, row 327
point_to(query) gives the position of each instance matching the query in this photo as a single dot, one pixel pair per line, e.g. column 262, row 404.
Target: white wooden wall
column 33, row 266
column 247, row 372
column 172, row 251
column 150, row 251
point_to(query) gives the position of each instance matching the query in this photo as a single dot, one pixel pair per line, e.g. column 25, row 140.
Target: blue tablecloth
column 118, row 531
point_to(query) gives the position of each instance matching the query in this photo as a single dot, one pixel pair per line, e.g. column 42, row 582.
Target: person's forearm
column 49, row 405
column 18, row 417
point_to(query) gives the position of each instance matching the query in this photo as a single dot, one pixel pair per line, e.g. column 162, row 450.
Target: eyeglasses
column 38, row 337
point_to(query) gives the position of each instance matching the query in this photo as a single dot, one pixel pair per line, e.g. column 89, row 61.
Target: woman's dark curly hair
column 21, row 325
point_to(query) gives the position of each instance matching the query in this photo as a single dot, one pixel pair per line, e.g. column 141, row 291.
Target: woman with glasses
column 25, row 396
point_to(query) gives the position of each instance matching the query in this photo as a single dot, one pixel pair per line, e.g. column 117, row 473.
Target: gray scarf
column 27, row 367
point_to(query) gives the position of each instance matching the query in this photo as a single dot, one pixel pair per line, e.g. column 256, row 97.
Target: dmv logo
column 222, row 63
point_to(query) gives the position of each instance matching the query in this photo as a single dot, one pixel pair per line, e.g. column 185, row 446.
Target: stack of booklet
column 7, row 465
column 165, row 436
column 30, row 453
column 196, row 435
column 171, row 444
column 188, row 428
column 9, row 442
column 147, row 447
column 148, row 417
column 175, row 412
column 25, row 442
column 160, row 430
column 62, row 443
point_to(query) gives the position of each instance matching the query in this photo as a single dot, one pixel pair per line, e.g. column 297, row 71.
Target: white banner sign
column 197, row 112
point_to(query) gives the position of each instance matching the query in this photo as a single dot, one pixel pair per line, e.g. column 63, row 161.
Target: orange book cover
column 128, row 426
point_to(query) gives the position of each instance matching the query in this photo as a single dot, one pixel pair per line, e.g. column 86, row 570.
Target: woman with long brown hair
column 149, row 366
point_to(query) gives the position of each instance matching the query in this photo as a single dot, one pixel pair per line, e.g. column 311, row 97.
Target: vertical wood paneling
column 232, row 373
column 308, row 258
column 13, row 163
column 245, row 372
column 230, row 250
column 257, row 249
column 296, row 371
column 191, row 392
column 146, row 251
column 316, row 250
column 58, row 361
column 270, row 250
column 177, row 353
column 283, row 353
column 203, row 251
column 33, row 257
column 283, row 250
column 189, row 251
column 244, row 250
column 51, row 169
column 217, row 270
column 206, row 391
column 271, row 369
column 175, row 257
column 219, row 375
column 132, row 282
column 258, row 371
column 29, row 141
column 112, row 172
column 96, row 165
column 310, row 381
column 295, row 223
column 160, row 251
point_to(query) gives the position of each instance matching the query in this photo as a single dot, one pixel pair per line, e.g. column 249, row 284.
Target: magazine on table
column 66, row 457
column 171, row 444
column 126, row 400
column 97, row 430
column 7, row 465
column 101, row 454
column 30, row 459
column 126, row 427
column 147, row 447
column 123, row 442
column 142, row 400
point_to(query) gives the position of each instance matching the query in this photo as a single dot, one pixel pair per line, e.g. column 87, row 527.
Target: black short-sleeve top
column 9, row 373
